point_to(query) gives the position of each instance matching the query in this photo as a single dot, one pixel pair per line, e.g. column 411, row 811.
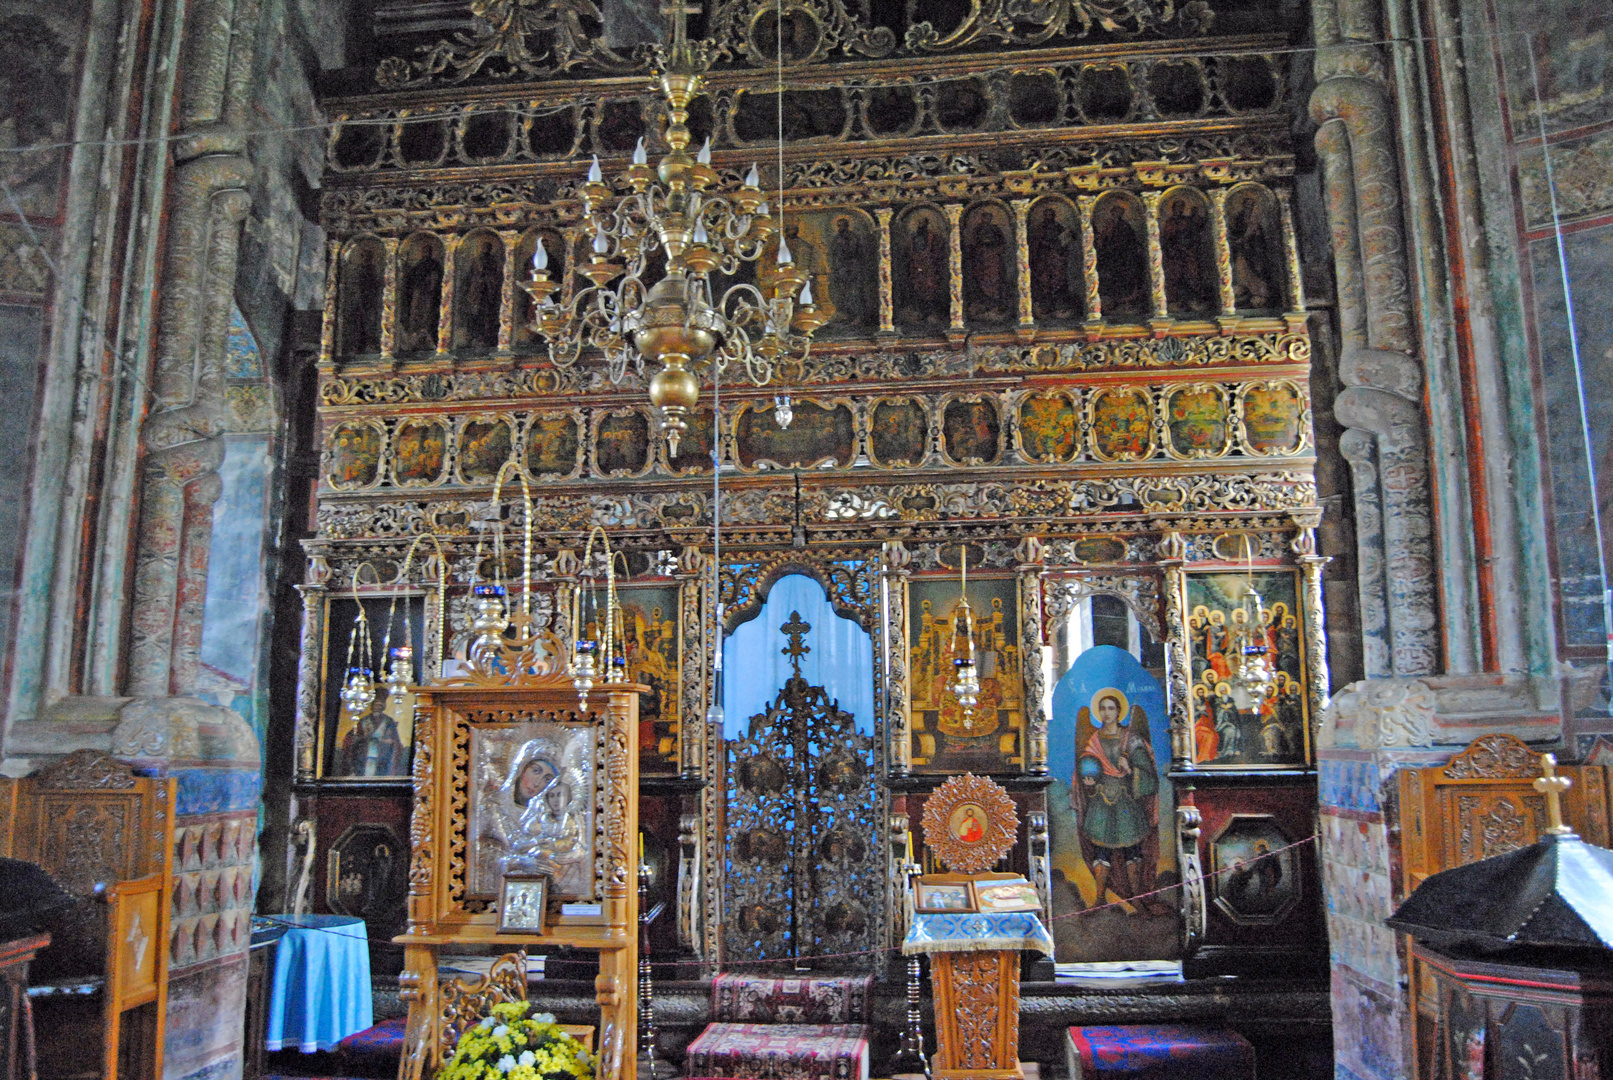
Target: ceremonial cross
column 679, row 10
column 795, row 630
column 1552, row 787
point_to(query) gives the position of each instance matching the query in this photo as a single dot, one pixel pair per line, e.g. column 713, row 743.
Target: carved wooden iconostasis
column 1066, row 340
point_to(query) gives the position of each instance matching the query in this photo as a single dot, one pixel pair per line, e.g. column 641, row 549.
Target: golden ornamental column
column 1089, row 261
column 893, row 575
column 1223, row 249
column 692, row 568
column 1156, row 259
column 506, row 300
column 1317, row 677
column 389, row 298
column 1173, row 558
column 887, row 301
column 1032, row 637
column 1296, row 276
column 445, row 311
column 1022, row 251
column 954, row 214
column 327, row 325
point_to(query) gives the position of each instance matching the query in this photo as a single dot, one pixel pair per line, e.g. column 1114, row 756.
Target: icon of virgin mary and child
column 534, row 820
column 1117, row 796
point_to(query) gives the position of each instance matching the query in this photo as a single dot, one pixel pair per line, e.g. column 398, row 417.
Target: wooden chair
column 101, row 832
column 1480, row 804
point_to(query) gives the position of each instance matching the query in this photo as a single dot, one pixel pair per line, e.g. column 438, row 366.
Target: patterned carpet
column 812, row 1028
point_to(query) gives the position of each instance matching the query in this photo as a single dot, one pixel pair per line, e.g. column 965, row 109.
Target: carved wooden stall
column 101, row 831
column 1066, row 341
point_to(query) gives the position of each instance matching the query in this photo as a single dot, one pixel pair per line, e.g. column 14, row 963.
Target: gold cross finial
column 795, row 630
column 1552, row 787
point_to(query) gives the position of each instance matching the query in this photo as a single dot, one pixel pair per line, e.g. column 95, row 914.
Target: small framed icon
column 523, row 904
column 1018, row 895
column 940, row 896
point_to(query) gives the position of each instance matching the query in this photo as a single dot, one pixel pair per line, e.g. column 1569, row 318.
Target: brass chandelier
column 678, row 324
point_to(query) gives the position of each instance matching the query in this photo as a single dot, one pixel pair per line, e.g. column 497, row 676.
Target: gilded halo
column 970, row 823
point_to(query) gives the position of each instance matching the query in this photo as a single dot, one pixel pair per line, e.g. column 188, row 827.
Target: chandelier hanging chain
column 670, row 222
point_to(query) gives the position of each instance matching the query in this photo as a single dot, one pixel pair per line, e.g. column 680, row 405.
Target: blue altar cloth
column 973, row 931
column 322, row 990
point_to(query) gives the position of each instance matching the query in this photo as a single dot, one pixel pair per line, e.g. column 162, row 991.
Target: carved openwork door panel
column 802, row 856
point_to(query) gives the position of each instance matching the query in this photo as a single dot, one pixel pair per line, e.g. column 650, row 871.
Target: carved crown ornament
column 533, row 39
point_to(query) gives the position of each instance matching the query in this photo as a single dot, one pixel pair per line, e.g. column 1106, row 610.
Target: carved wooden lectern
column 510, row 774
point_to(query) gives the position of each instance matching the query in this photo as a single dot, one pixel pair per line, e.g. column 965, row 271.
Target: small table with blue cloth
column 322, row 990
column 974, row 973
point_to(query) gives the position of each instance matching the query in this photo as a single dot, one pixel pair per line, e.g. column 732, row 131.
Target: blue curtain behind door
column 755, row 667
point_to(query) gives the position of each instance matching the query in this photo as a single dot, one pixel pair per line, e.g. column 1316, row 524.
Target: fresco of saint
column 1117, row 797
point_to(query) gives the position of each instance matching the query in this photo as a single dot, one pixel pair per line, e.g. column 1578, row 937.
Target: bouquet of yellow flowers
column 517, row 1044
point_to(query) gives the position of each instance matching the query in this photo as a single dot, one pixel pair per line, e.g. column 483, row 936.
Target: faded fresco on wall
column 20, row 331
column 1571, row 83
column 237, row 583
column 948, row 737
column 1110, row 811
column 1590, row 268
column 40, row 44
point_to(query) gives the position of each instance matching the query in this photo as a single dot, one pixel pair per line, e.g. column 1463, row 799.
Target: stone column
column 1223, row 249
column 954, row 214
column 1022, row 252
column 887, row 301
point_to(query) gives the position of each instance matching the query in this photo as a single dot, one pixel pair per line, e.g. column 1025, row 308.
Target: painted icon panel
column 419, row 452
column 1273, row 415
column 622, row 443
column 899, row 432
column 920, row 256
column 970, row 431
column 355, row 456
column 1196, row 417
column 1110, row 812
column 551, row 445
column 947, row 736
column 1227, row 627
column 1058, row 285
column 817, row 435
column 1047, row 427
column 1123, row 424
column 990, row 275
column 368, row 740
column 484, row 447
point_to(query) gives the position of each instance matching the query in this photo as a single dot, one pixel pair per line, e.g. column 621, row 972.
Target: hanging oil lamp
column 966, row 682
column 401, row 675
column 1254, row 680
